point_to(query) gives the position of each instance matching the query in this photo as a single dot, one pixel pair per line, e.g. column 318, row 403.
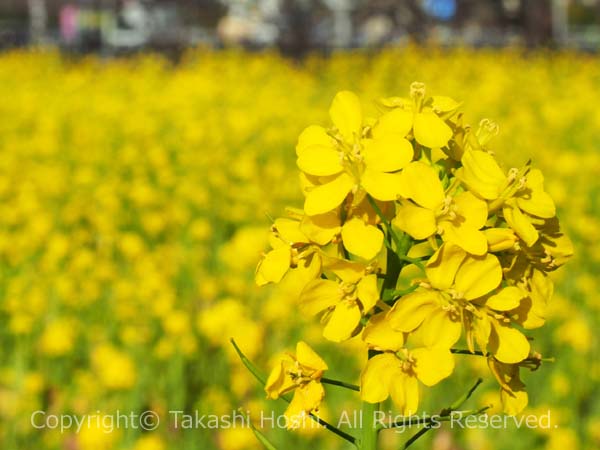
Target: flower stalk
column 413, row 237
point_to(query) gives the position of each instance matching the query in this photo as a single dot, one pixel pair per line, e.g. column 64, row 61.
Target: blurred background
column 295, row 26
column 144, row 147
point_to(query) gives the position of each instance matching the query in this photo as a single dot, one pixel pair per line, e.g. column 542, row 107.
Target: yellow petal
column 481, row 332
column 306, row 399
column 313, row 135
column 379, row 335
column 279, row 382
column 439, row 330
column 540, row 204
column 477, row 276
column 471, row 209
column 531, row 313
column 308, row 182
column 289, row 231
column 404, row 390
column 320, row 160
column 420, row 250
column 442, row 266
column 296, row 279
column 343, row 322
column 417, row 221
column 308, row 357
column 273, row 266
column 534, row 200
column 346, row 114
column 348, row 271
column 376, row 376
column 321, row 228
column 482, row 174
column 508, row 344
column 397, row 121
column 319, row 295
column 433, row 364
column 513, row 395
column 396, row 102
column 387, row 153
column 276, row 242
column 380, row 185
column 505, row 300
column 465, row 236
column 326, row 197
column 513, row 402
column 430, row 130
column 557, row 245
column 367, row 292
column 410, row 311
column 408, row 275
column 444, row 104
column 521, row 224
column 361, row 239
column 500, row 239
column 420, row 183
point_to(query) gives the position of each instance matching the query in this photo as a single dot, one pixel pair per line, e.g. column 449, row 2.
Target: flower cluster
column 413, row 236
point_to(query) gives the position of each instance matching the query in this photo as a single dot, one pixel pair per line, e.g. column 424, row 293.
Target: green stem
column 444, row 416
column 466, row 396
column 417, row 262
column 257, row 433
column 402, row 245
column 447, row 418
column 343, row 384
column 415, row 436
column 535, row 361
column 386, row 222
column 419, row 421
column 393, row 267
column 261, row 379
column 467, row 352
column 393, row 295
column 251, row 367
column 369, row 432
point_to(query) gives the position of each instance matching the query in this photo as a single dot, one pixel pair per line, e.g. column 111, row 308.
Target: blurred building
column 296, row 26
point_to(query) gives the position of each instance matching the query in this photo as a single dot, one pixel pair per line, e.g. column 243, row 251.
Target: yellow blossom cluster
column 415, row 195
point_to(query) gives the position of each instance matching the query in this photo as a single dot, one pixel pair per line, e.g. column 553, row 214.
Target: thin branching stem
column 460, row 351
column 343, row 384
column 445, row 415
column 447, row 418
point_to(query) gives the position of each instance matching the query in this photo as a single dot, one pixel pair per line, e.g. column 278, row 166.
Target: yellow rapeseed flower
column 345, row 300
column 300, row 373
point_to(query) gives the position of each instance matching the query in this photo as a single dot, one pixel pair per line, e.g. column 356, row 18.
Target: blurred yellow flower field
column 136, row 197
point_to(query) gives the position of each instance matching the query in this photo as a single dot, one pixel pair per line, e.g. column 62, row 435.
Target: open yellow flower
column 513, row 395
column 462, row 289
column 537, row 289
column 300, row 373
column 458, row 219
column 397, row 373
column 344, row 301
column 397, row 370
column 291, row 249
column 347, row 161
column 520, row 194
column 379, row 334
column 419, row 114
